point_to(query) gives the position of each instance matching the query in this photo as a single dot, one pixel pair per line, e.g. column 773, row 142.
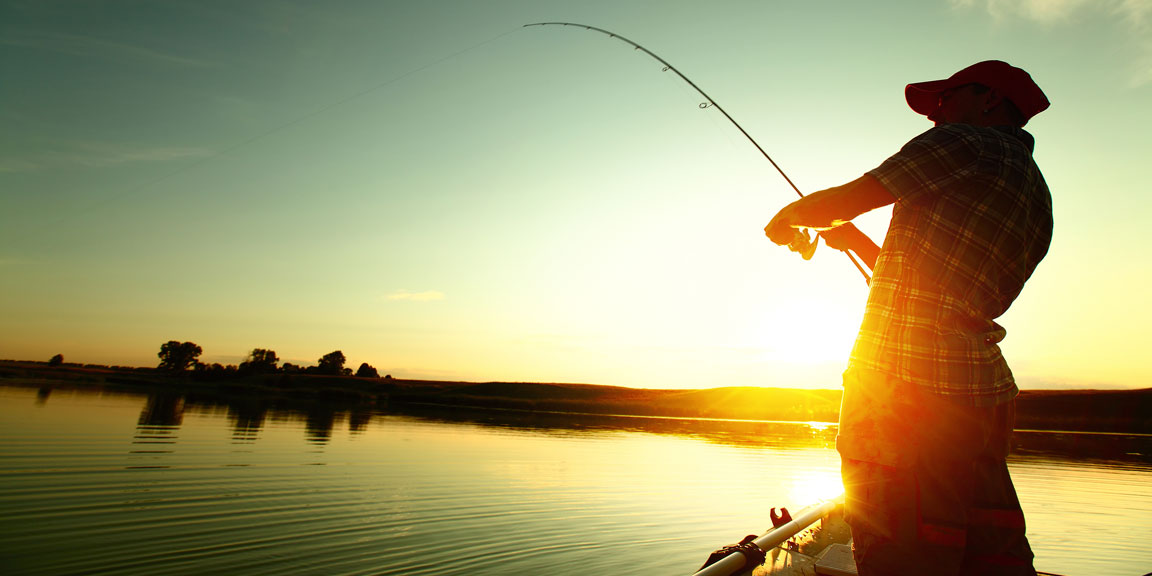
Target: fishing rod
column 804, row 248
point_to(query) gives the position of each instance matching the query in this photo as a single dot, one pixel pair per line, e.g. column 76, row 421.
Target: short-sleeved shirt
column 972, row 219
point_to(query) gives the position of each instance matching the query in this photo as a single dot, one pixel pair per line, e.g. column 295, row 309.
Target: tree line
column 183, row 356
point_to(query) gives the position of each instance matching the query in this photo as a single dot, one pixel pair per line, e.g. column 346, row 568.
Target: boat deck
column 818, row 549
column 823, row 549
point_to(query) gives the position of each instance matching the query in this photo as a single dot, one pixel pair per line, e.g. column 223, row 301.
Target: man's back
column 973, row 218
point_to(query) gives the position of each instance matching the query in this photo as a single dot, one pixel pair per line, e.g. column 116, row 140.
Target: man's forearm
column 867, row 250
column 848, row 237
column 829, row 208
column 832, row 207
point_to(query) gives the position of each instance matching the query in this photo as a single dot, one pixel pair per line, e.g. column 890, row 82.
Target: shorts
column 927, row 489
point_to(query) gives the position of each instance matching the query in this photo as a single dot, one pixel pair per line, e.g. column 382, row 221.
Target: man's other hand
column 844, row 237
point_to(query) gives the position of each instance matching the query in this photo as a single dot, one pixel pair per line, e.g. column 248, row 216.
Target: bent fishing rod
column 806, row 250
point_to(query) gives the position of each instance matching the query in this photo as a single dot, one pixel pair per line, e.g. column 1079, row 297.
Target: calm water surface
column 128, row 484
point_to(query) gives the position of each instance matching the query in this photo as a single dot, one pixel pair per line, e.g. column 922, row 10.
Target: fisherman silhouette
column 929, row 400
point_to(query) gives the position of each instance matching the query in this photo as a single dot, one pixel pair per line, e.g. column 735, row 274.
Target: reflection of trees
column 163, row 409
column 160, row 418
column 247, row 418
column 248, row 413
column 318, row 423
column 358, row 420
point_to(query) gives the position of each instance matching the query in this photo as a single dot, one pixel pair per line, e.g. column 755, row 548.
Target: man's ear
column 992, row 99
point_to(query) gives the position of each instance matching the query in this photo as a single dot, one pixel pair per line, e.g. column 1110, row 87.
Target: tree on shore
column 367, row 371
column 331, row 363
column 56, row 360
column 178, row 356
column 260, row 361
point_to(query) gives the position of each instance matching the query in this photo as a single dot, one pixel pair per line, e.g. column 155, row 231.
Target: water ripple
column 412, row 496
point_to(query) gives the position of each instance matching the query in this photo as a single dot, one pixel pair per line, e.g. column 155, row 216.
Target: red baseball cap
column 1010, row 81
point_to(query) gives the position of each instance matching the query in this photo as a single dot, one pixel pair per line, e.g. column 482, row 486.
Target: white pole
column 734, row 562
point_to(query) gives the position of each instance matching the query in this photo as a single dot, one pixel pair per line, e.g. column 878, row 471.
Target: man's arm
column 848, row 237
column 830, row 208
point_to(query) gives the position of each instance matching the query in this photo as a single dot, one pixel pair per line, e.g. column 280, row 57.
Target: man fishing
column 929, row 401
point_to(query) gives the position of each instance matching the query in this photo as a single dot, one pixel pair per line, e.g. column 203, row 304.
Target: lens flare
column 816, row 485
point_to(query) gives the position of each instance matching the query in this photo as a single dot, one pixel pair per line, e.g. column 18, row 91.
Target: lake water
column 131, row 484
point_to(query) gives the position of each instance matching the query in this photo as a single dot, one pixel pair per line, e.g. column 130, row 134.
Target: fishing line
column 708, row 102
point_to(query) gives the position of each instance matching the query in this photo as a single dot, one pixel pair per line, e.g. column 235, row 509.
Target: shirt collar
column 1019, row 134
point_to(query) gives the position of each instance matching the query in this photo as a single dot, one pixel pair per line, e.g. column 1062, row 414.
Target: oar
column 733, row 563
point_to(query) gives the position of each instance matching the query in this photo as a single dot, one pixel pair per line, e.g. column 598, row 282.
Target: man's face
column 962, row 104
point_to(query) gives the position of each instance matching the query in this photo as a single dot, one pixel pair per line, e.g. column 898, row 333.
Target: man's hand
column 783, row 228
column 832, row 208
column 848, row 237
column 845, row 237
column 828, row 208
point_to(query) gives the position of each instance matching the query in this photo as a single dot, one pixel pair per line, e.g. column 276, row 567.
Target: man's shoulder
column 978, row 136
column 944, row 139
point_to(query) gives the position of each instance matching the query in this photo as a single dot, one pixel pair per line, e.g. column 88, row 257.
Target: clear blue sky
column 441, row 193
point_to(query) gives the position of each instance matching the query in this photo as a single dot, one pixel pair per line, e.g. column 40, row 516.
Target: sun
column 814, row 486
column 799, row 334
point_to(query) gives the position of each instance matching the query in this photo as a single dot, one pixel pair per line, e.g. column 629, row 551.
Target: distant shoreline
column 1114, row 411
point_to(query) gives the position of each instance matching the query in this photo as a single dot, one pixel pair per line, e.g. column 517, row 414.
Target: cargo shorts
column 927, row 489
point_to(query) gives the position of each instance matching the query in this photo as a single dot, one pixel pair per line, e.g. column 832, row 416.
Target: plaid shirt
column 973, row 218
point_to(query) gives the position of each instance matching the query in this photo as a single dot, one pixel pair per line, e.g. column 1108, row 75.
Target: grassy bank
column 1079, row 410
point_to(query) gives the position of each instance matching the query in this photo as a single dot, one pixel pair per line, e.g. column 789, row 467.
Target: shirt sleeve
column 930, row 164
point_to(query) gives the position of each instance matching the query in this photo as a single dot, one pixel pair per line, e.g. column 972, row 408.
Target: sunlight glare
column 811, row 328
column 816, row 485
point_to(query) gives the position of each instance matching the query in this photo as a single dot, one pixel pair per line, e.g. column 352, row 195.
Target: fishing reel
column 803, row 243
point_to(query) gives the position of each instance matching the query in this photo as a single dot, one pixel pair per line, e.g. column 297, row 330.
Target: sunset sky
column 435, row 190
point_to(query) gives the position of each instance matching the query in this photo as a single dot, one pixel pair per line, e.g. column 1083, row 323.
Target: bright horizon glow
column 444, row 194
column 816, row 486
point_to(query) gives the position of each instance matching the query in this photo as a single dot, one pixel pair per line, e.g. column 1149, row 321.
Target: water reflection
column 163, row 413
column 359, row 419
column 357, row 488
column 156, row 431
column 1087, row 447
column 743, row 433
column 248, row 414
column 318, row 423
column 1078, row 446
column 163, row 409
column 247, row 418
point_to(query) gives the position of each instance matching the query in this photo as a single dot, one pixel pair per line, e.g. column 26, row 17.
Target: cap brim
column 924, row 97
